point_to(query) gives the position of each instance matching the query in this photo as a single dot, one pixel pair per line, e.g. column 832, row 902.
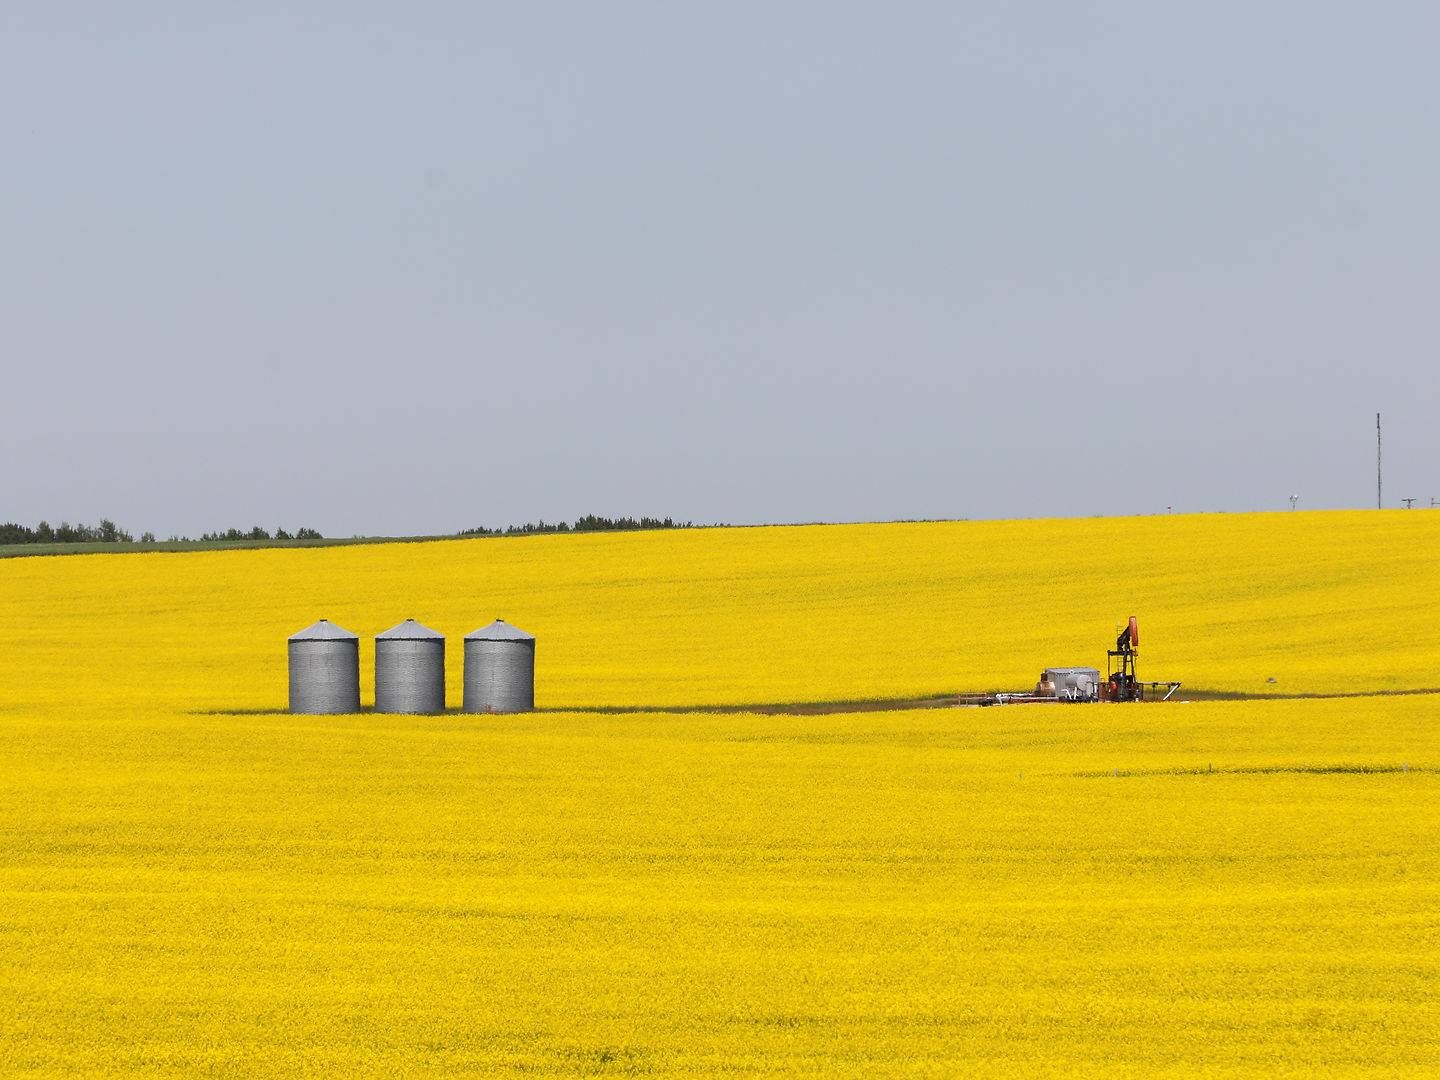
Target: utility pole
column 1379, row 503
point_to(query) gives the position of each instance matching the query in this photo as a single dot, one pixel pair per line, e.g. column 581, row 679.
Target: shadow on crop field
column 800, row 708
column 1245, row 695
column 1257, row 770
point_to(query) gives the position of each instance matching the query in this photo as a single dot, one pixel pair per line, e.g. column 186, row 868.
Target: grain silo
column 324, row 670
column 410, row 669
column 499, row 669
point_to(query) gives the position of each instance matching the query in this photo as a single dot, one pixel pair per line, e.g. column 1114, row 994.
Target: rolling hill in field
column 1318, row 602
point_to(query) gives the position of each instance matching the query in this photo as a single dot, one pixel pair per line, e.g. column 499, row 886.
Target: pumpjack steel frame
column 1121, row 681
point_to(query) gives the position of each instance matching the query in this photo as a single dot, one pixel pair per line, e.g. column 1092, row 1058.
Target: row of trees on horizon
column 107, row 532
column 588, row 523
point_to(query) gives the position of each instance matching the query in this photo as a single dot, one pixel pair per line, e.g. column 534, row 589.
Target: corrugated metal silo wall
column 325, row 676
column 499, row 676
column 409, row 676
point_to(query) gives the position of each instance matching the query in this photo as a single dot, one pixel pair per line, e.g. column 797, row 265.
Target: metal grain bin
column 410, row 669
column 499, row 669
column 324, row 670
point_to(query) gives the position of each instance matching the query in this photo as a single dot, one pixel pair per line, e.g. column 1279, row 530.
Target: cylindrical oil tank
column 324, row 670
column 499, row 669
column 410, row 669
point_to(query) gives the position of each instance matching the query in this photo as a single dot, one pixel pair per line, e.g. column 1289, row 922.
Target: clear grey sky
column 409, row 267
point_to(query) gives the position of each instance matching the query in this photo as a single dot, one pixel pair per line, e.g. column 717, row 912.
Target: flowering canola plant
column 193, row 882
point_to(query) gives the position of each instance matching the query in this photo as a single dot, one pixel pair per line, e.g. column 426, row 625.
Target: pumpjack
column 1122, row 684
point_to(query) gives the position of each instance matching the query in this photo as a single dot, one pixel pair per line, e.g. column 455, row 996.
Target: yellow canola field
column 1023, row 890
column 1320, row 602
column 194, row 883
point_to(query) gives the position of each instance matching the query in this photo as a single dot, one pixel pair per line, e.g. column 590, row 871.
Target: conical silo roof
column 324, row 630
column 499, row 630
column 410, row 630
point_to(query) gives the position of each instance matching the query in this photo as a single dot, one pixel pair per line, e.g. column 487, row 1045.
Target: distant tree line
column 258, row 533
column 107, row 532
column 588, row 523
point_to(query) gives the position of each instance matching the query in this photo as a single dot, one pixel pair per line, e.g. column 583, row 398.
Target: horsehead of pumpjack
column 1129, row 638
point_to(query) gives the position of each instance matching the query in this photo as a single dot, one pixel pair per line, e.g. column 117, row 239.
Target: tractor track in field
column 904, row 704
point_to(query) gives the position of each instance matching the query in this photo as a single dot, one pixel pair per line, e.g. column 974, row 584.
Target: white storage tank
column 499, row 669
column 410, row 669
column 324, row 670
column 1070, row 683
